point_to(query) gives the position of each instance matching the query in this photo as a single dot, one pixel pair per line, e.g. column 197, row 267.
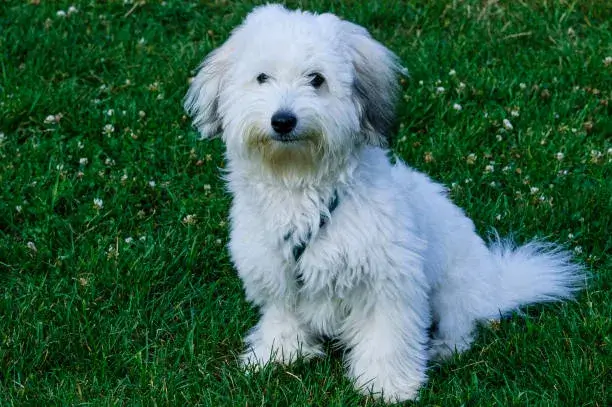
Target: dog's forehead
column 288, row 38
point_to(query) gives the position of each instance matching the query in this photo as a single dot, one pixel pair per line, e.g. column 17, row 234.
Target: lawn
column 115, row 283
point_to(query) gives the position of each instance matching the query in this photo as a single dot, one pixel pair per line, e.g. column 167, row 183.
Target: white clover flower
column 83, row 161
column 60, row 13
column 452, row 72
column 507, row 124
column 50, row 119
column 471, row 158
column 32, row 246
column 142, row 114
column 607, row 61
column 80, row 145
column 152, row 184
column 108, row 129
column 420, row 83
column 72, row 10
column 440, row 89
column 596, row 155
column 499, row 137
column 109, row 112
column 461, row 85
column 534, row 190
column 112, row 252
column 19, row 208
column 98, row 203
column 457, row 107
column 515, row 113
column 559, row 156
column 578, row 249
column 570, row 236
column 522, row 86
column 129, row 240
column 189, row 220
column 489, row 168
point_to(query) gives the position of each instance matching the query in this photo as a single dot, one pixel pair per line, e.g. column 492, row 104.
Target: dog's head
column 293, row 89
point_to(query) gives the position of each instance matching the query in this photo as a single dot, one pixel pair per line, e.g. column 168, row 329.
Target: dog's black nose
column 283, row 121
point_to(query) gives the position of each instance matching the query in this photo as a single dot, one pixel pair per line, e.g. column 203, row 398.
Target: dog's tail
column 535, row 272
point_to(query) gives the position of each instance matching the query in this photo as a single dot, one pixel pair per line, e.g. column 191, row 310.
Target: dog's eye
column 262, row 78
column 316, row 80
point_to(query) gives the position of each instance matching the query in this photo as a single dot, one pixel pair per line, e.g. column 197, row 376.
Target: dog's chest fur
column 337, row 238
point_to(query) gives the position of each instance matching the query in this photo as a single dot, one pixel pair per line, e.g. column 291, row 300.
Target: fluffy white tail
column 532, row 273
column 535, row 272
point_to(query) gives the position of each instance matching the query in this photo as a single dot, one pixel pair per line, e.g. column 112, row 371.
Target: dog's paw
column 250, row 361
column 391, row 390
column 444, row 349
column 260, row 353
column 392, row 379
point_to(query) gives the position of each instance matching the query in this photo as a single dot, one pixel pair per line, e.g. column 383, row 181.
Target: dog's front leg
column 279, row 336
column 387, row 338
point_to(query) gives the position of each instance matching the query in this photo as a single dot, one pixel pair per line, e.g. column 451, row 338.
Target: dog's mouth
column 287, row 138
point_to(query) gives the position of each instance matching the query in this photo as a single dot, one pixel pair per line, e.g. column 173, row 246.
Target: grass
column 133, row 300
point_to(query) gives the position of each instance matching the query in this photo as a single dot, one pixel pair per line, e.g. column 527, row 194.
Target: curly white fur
column 394, row 256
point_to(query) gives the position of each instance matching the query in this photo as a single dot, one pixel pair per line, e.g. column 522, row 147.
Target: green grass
column 137, row 303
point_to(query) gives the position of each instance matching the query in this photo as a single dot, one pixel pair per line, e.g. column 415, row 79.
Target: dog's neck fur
column 291, row 206
column 329, row 174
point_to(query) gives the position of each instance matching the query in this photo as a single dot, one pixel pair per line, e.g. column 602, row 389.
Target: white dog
column 329, row 238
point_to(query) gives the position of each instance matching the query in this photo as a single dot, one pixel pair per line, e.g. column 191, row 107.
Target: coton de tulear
column 330, row 238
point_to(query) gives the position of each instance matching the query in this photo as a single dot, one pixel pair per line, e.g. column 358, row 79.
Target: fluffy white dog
column 329, row 238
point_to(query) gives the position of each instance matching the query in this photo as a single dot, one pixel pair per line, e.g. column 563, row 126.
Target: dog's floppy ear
column 376, row 83
column 202, row 99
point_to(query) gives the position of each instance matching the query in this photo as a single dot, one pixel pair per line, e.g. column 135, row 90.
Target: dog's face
column 293, row 89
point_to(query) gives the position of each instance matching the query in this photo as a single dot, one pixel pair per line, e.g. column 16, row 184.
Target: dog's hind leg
column 463, row 296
